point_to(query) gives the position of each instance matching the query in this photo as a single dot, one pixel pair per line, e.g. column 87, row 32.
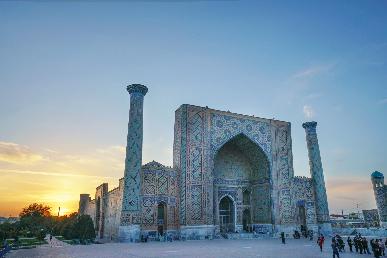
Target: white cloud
column 313, row 71
column 15, row 153
column 308, row 112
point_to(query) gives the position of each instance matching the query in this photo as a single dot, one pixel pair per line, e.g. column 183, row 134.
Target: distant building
column 352, row 220
column 9, row 220
column 371, row 218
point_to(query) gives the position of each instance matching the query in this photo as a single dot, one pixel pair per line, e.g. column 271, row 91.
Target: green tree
column 35, row 220
column 35, row 210
column 85, row 227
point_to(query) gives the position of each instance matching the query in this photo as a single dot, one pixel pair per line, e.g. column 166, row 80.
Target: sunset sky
column 64, row 68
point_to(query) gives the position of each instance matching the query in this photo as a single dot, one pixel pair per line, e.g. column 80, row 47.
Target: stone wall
column 113, row 202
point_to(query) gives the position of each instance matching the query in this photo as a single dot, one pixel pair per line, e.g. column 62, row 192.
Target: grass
column 26, row 242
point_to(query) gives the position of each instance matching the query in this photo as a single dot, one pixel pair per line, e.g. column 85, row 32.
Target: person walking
column 365, row 245
column 350, row 243
column 382, row 247
column 356, row 243
column 283, row 237
column 335, row 249
column 320, row 242
column 377, row 249
column 360, row 243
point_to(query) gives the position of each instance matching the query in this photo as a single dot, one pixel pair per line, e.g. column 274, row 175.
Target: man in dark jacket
column 365, row 245
column 350, row 243
column 335, row 249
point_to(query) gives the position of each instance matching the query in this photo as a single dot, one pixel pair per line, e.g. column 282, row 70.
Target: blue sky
column 64, row 68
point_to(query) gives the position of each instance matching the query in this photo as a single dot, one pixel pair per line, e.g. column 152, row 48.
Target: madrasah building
column 232, row 174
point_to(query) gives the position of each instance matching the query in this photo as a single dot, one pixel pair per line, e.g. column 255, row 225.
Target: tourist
column 340, row 243
column 365, row 245
column 350, row 243
column 381, row 246
column 320, row 242
column 376, row 248
column 360, row 244
column 372, row 243
column 283, row 237
column 356, row 243
column 335, row 250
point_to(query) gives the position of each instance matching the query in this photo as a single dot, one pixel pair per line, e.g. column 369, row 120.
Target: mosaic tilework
column 303, row 194
column 224, row 127
column 159, row 185
column 316, row 169
column 196, row 202
column 284, row 150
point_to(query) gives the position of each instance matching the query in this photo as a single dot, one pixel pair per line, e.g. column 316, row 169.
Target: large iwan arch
column 241, row 166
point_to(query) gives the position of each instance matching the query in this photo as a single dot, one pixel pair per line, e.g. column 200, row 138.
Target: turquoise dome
column 377, row 174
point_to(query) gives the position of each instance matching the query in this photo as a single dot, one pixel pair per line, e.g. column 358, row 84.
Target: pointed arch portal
column 242, row 171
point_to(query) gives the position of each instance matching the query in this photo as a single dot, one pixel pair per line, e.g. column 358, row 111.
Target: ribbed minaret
column 377, row 179
column 317, row 174
column 130, row 213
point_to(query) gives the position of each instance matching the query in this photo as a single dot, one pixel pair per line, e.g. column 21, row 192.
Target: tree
column 36, row 210
column 85, row 227
column 35, row 220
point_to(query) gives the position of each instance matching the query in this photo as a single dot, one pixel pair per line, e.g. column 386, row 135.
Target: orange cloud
column 53, row 177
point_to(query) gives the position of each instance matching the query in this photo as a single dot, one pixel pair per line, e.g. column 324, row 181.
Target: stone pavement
column 264, row 248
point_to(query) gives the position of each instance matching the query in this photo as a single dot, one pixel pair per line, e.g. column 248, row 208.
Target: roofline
column 232, row 113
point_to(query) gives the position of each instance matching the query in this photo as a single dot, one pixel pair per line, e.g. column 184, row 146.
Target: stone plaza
column 264, row 248
column 232, row 174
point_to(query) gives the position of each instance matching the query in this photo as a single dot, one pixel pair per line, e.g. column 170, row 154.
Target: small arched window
column 246, row 197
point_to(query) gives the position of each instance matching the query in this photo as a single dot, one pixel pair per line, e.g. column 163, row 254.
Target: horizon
column 65, row 66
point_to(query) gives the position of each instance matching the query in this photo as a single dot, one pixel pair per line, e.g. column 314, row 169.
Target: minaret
column 317, row 174
column 377, row 179
column 130, row 214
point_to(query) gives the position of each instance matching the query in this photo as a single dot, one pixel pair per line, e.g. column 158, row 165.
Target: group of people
column 378, row 247
column 360, row 243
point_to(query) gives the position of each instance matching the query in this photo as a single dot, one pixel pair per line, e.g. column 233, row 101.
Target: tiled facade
column 380, row 193
column 218, row 157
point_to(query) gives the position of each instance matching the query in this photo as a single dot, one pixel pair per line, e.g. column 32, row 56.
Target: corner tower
column 130, row 220
column 377, row 179
column 317, row 174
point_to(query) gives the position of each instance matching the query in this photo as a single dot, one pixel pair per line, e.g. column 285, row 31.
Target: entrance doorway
column 226, row 215
column 246, row 220
column 302, row 220
column 161, row 218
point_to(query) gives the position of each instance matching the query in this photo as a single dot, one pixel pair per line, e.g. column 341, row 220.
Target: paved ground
column 267, row 248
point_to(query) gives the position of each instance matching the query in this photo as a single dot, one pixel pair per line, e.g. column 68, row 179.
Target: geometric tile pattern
column 131, row 196
column 303, row 194
column 322, row 211
column 158, row 186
